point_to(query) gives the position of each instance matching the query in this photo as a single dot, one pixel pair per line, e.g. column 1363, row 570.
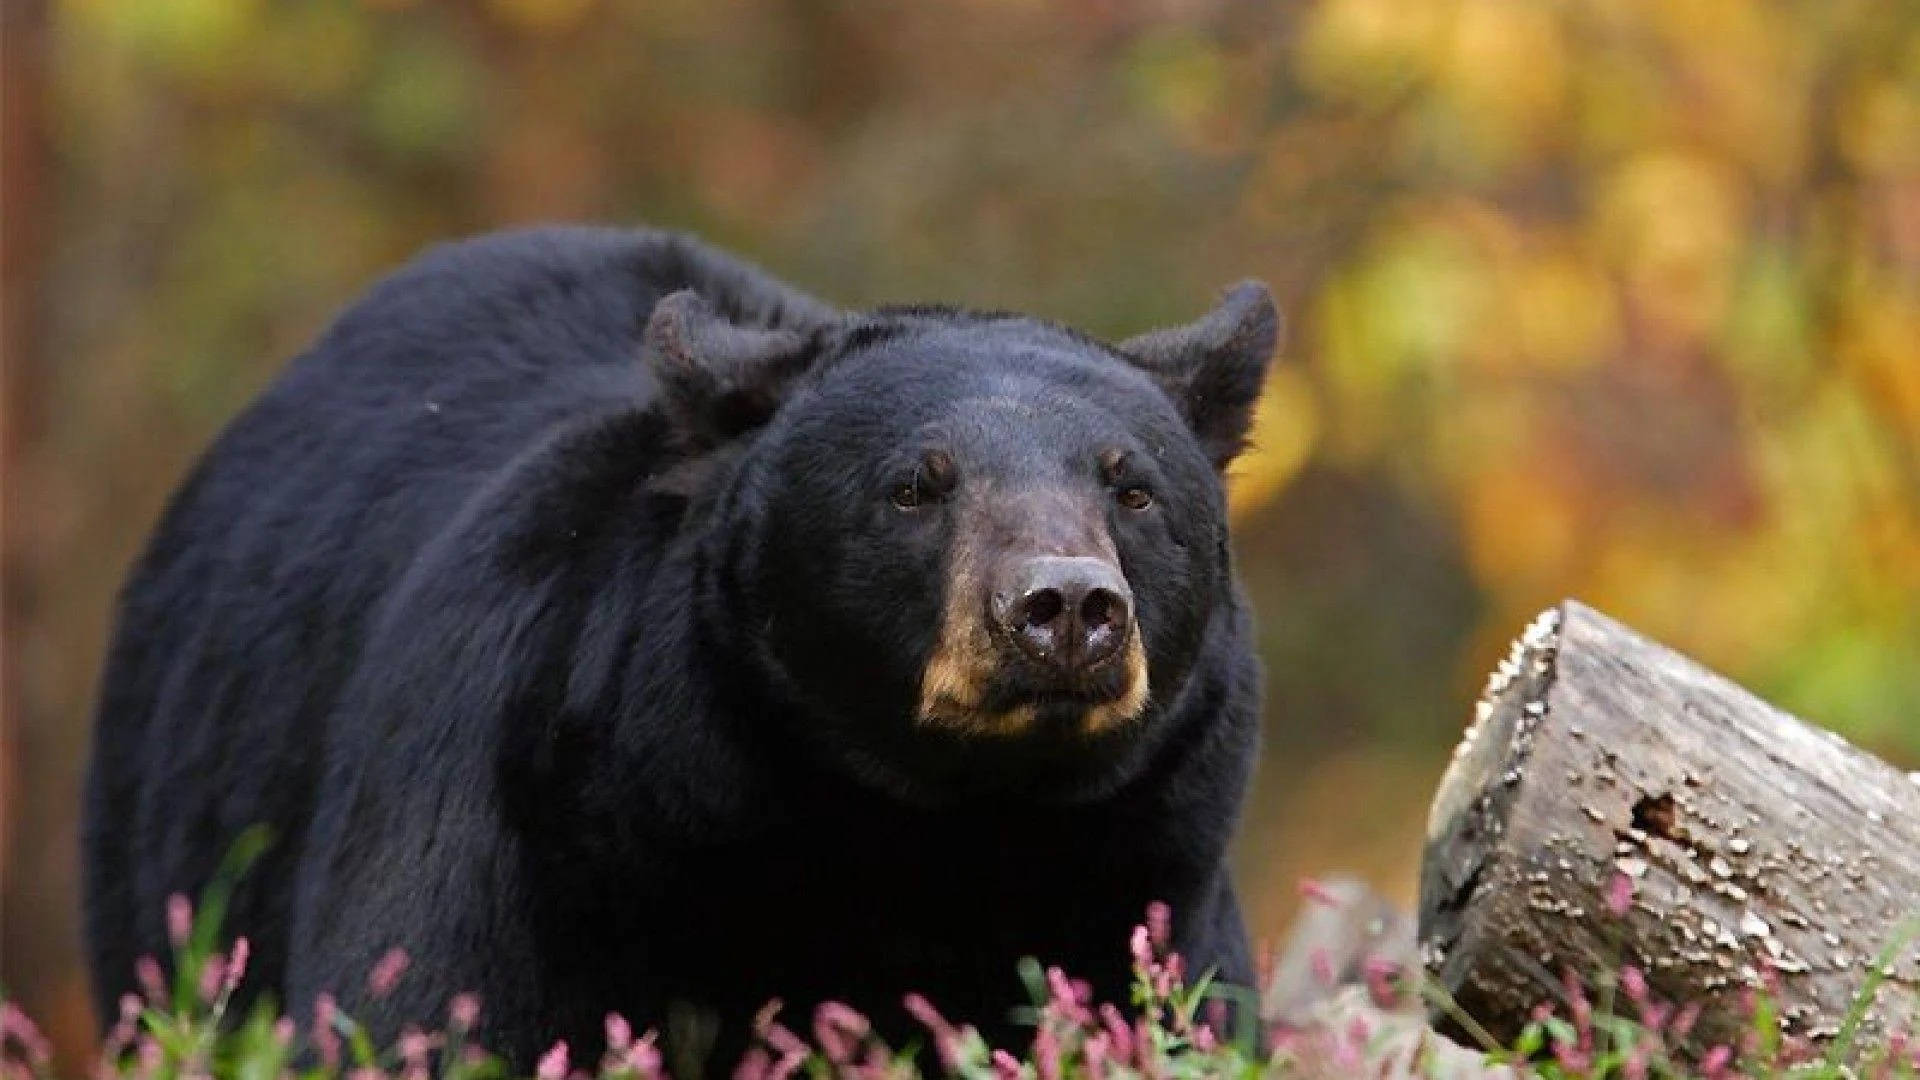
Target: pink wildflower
column 781, row 1038
column 1619, row 894
column 788, row 1064
column 1383, row 982
column 1094, row 1050
column 1314, row 892
column 414, row 1047
column 1059, row 988
column 213, row 977
column 1203, row 1039
column 922, row 1010
column 643, row 1058
column 1162, row 983
column 387, row 971
column 325, row 1038
column 790, row 1047
column 1046, row 1054
column 1004, row 1066
column 1683, row 1023
column 464, row 1011
column 179, row 920
column 1580, row 1008
column 1141, row 945
column 1633, row 983
column 845, row 1018
column 946, row 1041
column 237, row 963
column 1349, row 1051
column 1571, row 1058
column 125, row 1030
column 1714, row 1065
column 1159, row 924
column 1118, row 1031
column 284, row 1031
column 1066, row 1000
column 553, row 1063
column 1909, row 1053
column 152, row 982
column 619, row 1032
column 17, row 1025
column 839, row 1030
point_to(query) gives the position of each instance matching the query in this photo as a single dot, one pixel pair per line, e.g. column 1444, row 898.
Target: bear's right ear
column 718, row 380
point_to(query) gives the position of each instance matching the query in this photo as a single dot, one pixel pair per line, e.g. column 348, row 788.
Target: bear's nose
column 1067, row 613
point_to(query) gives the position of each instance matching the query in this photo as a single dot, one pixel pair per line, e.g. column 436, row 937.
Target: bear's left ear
column 718, row 380
column 1213, row 368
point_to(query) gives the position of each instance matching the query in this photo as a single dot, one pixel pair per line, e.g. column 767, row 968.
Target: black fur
column 549, row 658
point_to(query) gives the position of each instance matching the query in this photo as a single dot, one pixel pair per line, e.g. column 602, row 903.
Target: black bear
column 614, row 628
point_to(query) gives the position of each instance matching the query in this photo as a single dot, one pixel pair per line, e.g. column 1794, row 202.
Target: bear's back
column 245, row 615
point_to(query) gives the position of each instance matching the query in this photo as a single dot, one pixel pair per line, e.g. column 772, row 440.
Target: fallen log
column 1614, row 803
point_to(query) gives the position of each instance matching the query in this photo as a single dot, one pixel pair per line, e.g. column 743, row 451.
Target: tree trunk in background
column 35, row 857
column 1751, row 841
column 23, row 232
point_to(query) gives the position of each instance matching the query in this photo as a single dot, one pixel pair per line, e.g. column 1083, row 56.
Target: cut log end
column 1475, row 796
column 1615, row 804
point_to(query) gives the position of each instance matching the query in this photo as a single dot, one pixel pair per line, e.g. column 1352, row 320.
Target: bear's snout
column 1067, row 614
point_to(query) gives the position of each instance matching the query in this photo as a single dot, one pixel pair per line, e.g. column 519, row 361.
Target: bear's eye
column 1135, row 497
column 934, row 477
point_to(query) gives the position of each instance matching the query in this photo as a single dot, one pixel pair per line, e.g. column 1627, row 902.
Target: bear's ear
column 1213, row 368
column 718, row 380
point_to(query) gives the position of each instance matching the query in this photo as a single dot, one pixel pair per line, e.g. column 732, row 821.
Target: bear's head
column 973, row 553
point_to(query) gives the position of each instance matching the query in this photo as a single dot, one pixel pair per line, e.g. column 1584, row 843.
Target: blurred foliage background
column 1616, row 299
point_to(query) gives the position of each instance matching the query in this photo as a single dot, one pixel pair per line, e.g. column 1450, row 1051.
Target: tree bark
column 1747, row 847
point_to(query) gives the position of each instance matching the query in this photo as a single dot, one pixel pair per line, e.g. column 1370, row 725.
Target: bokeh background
column 1618, row 300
